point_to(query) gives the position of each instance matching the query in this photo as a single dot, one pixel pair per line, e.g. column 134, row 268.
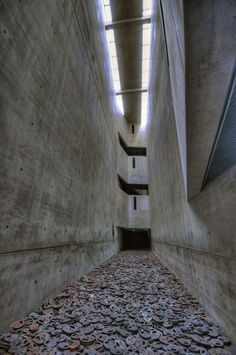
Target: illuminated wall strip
column 145, row 54
column 107, row 10
column 113, row 55
column 147, row 4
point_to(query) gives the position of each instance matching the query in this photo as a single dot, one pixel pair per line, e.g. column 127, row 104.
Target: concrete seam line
column 55, row 247
column 196, row 250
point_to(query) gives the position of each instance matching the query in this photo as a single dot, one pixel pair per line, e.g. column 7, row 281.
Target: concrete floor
column 131, row 304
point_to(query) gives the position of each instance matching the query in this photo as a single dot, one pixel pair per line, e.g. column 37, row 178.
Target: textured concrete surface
column 60, row 152
column 138, row 138
column 139, row 173
column 139, row 217
column 127, row 217
column 122, row 208
column 210, row 29
column 173, row 22
column 195, row 239
column 58, row 149
column 130, row 174
column 122, row 164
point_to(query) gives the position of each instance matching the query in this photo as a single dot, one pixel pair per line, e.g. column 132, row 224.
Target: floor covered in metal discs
column 131, row 304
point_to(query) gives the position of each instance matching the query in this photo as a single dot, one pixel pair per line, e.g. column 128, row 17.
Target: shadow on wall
column 212, row 212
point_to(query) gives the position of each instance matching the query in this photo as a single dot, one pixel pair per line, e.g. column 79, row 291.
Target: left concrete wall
column 58, row 150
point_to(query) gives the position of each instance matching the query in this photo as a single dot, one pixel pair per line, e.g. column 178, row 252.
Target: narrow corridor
column 131, row 304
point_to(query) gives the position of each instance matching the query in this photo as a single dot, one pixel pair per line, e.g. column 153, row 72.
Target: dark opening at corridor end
column 134, row 238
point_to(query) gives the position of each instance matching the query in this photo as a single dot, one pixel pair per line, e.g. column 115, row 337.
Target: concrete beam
column 136, row 21
column 131, row 91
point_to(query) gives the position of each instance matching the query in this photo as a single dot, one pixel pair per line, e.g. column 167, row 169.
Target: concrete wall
column 122, row 208
column 127, row 217
column 173, row 19
column 58, row 149
column 122, row 164
column 138, row 138
column 196, row 239
column 139, row 174
column 210, row 61
column 139, row 217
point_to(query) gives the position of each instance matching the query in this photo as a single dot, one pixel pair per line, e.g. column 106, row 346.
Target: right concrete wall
column 195, row 239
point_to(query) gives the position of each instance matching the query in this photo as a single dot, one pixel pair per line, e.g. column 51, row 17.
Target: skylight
column 145, row 54
column 147, row 4
column 113, row 55
column 145, row 57
column 107, row 10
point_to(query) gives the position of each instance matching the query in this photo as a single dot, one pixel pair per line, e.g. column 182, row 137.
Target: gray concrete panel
column 210, row 29
column 197, row 238
column 58, row 149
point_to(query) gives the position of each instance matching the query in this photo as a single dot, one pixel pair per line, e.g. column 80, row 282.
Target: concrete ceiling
column 128, row 37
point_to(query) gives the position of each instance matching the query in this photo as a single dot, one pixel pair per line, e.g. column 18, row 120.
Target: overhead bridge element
column 136, row 20
column 131, row 91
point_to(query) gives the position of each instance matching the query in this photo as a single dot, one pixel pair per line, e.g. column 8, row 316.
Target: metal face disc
column 131, row 304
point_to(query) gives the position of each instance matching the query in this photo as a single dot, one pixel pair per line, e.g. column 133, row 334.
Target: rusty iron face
column 131, row 304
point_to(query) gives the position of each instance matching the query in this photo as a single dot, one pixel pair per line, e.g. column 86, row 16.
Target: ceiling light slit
column 146, row 34
column 147, row 4
column 113, row 55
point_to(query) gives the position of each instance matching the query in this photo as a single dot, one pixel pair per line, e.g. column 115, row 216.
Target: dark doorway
column 135, row 238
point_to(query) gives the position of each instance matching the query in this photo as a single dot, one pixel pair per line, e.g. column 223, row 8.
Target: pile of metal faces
column 131, row 304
